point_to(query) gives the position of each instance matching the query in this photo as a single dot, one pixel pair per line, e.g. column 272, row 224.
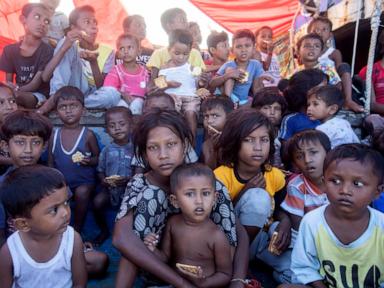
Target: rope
column 375, row 23
column 356, row 36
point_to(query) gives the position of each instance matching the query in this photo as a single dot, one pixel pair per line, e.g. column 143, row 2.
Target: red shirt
column 377, row 80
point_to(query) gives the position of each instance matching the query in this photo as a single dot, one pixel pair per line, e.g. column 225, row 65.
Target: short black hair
column 129, row 37
column 257, row 32
column 28, row 8
column 217, row 101
column 26, row 123
column 129, row 19
column 310, row 36
column 3, row 85
column 321, row 19
column 330, row 94
column 243, row 33
column 163, row 95
column 69, row 93
column 306, row 136
column 360, row 153
column 268, row 96
column 168, row 16
column 299, row 85
column 378, row 141
column 187, row 170
column 180, row 36
column 74, row 15
column 118, row 109
column 24, row 187
column 215, row 38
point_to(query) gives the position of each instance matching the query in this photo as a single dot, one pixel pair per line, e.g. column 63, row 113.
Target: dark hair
column 128, row 37
column 168, row 16
column 158, row 118
column 378, row 141
column 243, row 33
column 3, row 85
column 306, row 136
column 240, row 123
column 257, row 32
column 28, row 8
column 129, row 19
column 180, row 36
column 188, row 170
column 26, row 123
column 330, row 94
column 322, row 19
column 192, row 24
column 268, row 96
column 69, row 93
column 157, row 96
column 299, row 85
column 360, row 153
column 217, row 101
column 75, row 14
column 310, row 36
column 118, row 109
column 215, row 38
column 24, row 187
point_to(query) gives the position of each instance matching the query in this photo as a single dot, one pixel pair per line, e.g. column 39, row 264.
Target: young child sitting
column 74, row 151
column 179, row 71
column 44, row 251
column 191, row 238
column 215, row 111
column 59, row 22
column 114, row 169
column 27, row 58
column 129, row 78
column 339, row 243
column 306, row 191
column 218, row 48
column 239, row 75
column 323, row 105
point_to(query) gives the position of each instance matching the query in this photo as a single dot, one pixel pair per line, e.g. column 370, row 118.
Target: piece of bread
column 189, row 268
column 215, row 131
column 111, row 180
column 161, row 82
column 77, row 157
column 203, row 93
column 245, row 78
column 272, row 244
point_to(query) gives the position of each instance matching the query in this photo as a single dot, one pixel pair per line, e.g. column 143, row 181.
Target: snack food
column 196, row 71
column 245, row 78
column 161, row 82
column 215, row 131
column 77, row 157
column 111, row 180
column 203, row 93
column 272, row 244
column 196, row 270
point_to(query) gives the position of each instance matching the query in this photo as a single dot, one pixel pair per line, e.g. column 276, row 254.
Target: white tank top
column 325, row 56
column 273, row 71
column 182, row 74
column 55, row 273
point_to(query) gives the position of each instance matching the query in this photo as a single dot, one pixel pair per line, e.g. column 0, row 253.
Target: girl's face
column 254, row 149
column 273, row 112
column 164, row 151
column 179, row 53
column 7, row 103
column 264, row 38
column 127, row 50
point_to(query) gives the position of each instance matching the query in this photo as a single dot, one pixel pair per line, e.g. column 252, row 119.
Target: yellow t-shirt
column 274, row 180
column 161, row 56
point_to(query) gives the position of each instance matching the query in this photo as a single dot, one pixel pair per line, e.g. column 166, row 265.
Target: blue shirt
column 294, row 123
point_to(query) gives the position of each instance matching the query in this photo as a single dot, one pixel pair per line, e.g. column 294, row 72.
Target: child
column 239, row 75
column 194, row 28
column 114, row 160
column 44, row 251
column 323, row 27
column 273, row 105
column 160, row 138
column 162, row 101
column 178, row 70
column 192, row 238
column 306, row 191
column 323, row 105
column 218, row 48
column 59, row 22
column 245, row 148
column 215, row 111
column 81, row 62
column 264, row 52
column 338, row 243
column 129, row 78
column 73, row 139
column 27, row 59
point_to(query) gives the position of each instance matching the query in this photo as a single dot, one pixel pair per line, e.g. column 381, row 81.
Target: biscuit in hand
column 161, row 82
column 77, row 157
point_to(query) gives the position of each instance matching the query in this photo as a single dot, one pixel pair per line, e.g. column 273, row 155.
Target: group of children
column 280, row 175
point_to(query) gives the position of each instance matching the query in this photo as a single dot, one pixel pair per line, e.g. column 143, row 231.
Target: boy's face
column 221, row 51
column 309, row 158
column 70, row 111
column 264, row 38
column 310, row 50
column 127, row 50
column 322, row 29
column 118, row 127
column 37, row 22
column 161, row 102
column 351, row 186
column 51, row 215
column 317, row 109
column 195, row 196
column 179, row 53
column 243, row 49
column 7, row 103
column 87, row 22
column 25, row 150
column 178, row 22
column 273, row 112
column 137, row 28
column 215, row 118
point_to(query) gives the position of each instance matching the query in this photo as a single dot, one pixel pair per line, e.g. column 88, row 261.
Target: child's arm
column 151, row 241
column 97, row 75
column 33, row 85
column 6, row 270
column 241, row 257
column 50, row 147
column 79, row 272
column 94, row 147
column 230, row 73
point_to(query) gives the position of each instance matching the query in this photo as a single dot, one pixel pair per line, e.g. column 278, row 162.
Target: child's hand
column 72, row 36
column 235, row 73
column 151, row 241
column 89, row 55
column 266, row 78
column 86, row 160
column 203, row 79
column 173, row 84
column 194, row 277
column 353, row 106
column 121, row 181
column 127, row 97
column 284, row 235
column 270, row 47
